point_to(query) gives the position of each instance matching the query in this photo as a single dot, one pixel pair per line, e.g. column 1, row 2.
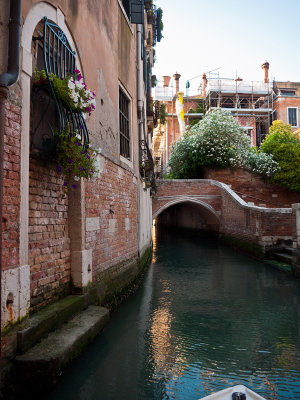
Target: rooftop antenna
column 188, row 85
column 212, row 70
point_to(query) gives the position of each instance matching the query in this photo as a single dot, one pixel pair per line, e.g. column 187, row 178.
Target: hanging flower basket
column 71, row 90
column 73, row 159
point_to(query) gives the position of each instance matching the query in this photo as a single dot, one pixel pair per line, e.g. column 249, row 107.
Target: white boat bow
column 238, row 392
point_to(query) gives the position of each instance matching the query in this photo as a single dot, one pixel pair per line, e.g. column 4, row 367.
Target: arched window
column 54, row 56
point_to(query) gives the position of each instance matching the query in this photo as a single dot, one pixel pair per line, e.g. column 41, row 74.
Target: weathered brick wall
column 249, row 122
column 266, row 228
column 11, row 190
column 197, row 190
column 49, row 243
column 252, row 188
column 237, row 221
column 111, row 214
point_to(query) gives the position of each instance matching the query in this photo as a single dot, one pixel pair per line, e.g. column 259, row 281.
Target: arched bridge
column 257, row 229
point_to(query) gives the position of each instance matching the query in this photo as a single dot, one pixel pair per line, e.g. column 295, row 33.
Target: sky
column 229, row 37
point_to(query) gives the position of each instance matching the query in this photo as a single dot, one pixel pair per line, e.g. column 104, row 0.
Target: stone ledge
column 45, row 321
column 43, row 363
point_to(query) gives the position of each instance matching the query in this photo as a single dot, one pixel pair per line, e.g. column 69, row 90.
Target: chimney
column 176, row 77
column 265, row 68
column 204, row 84
column 166, row 80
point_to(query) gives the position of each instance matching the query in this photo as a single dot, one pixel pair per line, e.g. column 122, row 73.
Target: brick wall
column 249, row 122
column 252, row 188
column 49, row 243
column 11, row 190
column 111, row 212
column 265, row 228
column 198, row 190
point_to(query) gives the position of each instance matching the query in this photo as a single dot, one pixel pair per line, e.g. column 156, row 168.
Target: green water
column 204, row 318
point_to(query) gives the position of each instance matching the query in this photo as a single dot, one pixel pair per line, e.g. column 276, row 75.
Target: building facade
column 255, row 105
column 55, row 240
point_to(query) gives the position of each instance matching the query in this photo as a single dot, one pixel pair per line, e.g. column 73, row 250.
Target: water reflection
column 205, row 318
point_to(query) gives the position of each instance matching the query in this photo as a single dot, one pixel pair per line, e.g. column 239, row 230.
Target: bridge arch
column 186, row 199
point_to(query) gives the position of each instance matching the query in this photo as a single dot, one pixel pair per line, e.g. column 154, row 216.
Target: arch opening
column 194, row 215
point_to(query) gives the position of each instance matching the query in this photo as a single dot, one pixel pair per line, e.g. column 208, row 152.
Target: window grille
column 124, row 122
column 60, row 60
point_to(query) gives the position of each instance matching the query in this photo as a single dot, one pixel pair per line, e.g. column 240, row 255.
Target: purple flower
column 88, row 156
column 92, row 171
column 74, row 186
column 93, row 94
column 66, row 183
column 80, row 168
column 69, row 170
column 82, row 152
column 80, row 127
column 79, row 77
column 76, row 71
column 88, row 109
column 78, row 144
column 58, row 169
column 70, row 160
column 93, row 107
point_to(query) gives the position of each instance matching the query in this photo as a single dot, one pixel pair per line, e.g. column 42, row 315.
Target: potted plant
column 72, row 90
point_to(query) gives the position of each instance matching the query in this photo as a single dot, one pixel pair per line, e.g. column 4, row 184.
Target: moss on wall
column 116, row 284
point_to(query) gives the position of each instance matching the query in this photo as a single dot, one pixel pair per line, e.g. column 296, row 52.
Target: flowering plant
column 71, row 90
column 218, row 142
column 74, row 160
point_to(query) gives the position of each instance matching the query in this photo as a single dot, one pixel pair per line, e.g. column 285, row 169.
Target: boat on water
column 238, row 392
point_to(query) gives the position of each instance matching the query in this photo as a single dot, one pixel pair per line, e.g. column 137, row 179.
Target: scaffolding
column 246, row 100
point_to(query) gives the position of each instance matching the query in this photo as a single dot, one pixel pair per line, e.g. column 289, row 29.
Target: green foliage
column 285, row 148
column 217, row 142
column 74, row 160
column 162, row 113
column 200, row 109
column 184, row 160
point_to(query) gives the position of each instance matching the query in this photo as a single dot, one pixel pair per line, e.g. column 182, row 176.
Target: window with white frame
column 293, row 116
column 124, row 124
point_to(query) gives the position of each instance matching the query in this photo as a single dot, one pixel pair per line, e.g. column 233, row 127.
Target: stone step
column 279, row 265
column 284, row 257
column 51, row 317
column 41, row 365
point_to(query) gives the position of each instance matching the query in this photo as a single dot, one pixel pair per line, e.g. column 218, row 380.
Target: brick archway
column 186, row 199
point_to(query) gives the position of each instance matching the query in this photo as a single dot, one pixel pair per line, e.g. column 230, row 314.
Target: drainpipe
column 6, row 79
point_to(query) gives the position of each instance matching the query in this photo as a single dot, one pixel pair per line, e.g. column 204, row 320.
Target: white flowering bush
column 218, row 141
column 261, row 163
column 71, row 90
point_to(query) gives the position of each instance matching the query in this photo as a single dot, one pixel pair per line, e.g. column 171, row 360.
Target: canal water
column 205, row 318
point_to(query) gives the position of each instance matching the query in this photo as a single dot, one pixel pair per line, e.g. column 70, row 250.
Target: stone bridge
column 256, row 229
